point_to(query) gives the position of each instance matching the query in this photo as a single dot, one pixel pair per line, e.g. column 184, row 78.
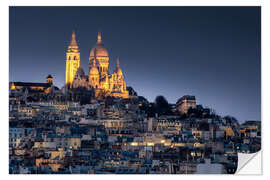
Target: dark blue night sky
column 211, row 52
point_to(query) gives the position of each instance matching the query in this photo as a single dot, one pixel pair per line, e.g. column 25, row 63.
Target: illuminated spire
column 118, row 69
column 99, row 40
column 94, row 63
column 117, row 63
column 73, row 40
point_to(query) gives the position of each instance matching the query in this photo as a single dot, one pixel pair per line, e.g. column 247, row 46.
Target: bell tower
column 72, row 60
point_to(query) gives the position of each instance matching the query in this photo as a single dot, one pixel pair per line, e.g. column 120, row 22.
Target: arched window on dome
column 74, row 57
column 69, row 58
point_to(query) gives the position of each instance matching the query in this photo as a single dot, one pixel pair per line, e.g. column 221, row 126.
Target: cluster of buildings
column 118, row 137
column 96, row 125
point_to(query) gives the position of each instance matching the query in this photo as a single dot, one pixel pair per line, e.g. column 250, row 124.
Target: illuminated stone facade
column 98, row 77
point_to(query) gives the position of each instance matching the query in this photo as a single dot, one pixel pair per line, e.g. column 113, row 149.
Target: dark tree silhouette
column 162, row 106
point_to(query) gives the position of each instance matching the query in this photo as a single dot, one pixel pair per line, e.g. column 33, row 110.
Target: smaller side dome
column 94, row 69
